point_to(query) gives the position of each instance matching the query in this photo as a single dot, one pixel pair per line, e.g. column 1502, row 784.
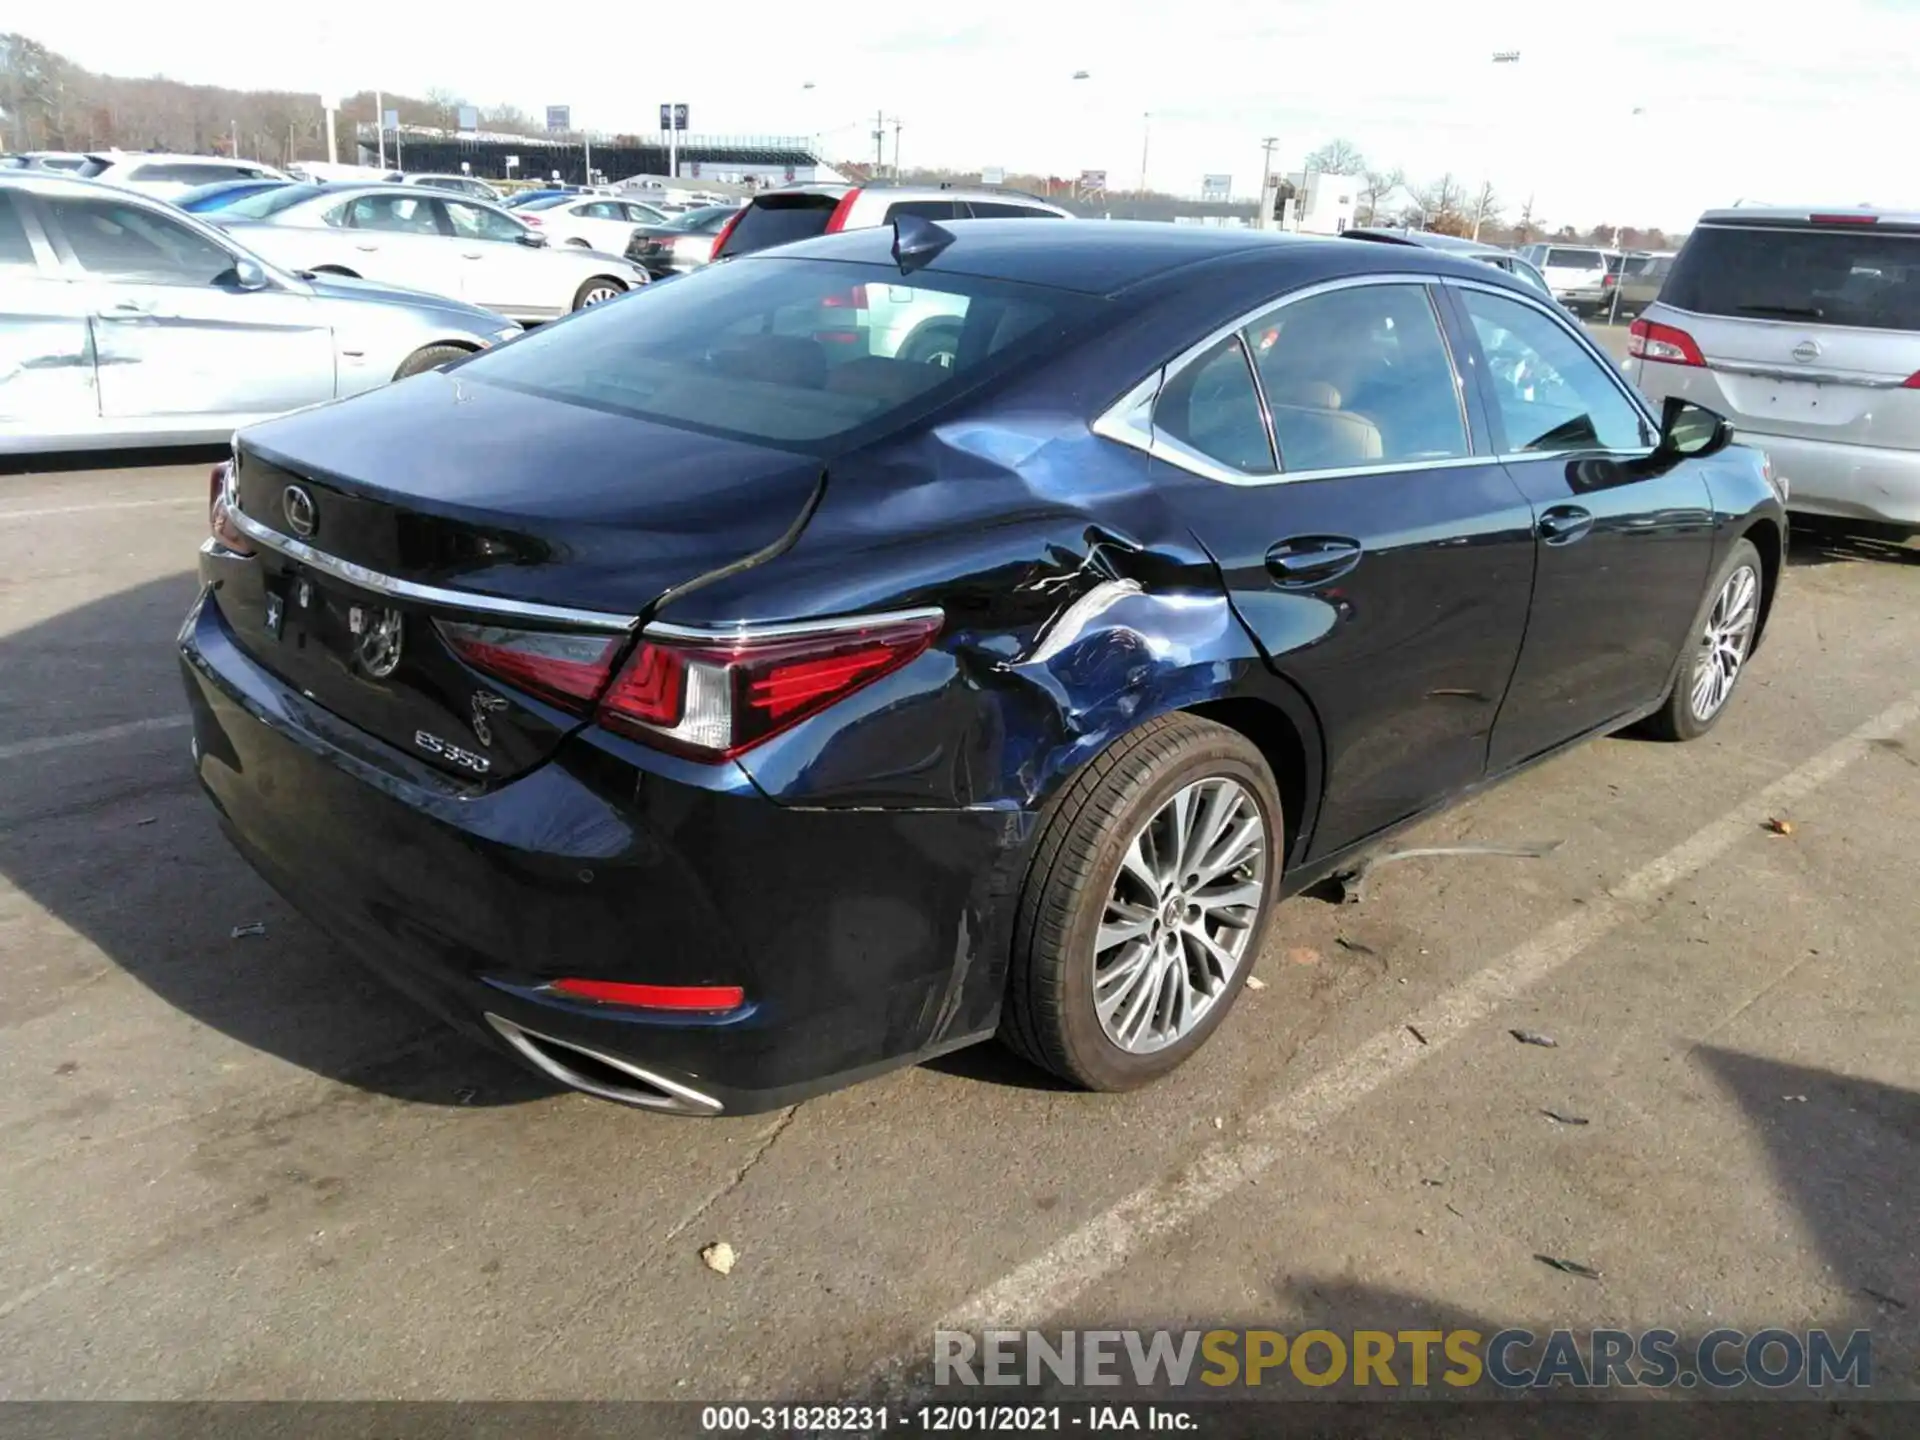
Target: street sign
column 559, row 117
column 993, row 175
column 1093, row 179
column 1216, row 188
column 513, row 162
column 469, row 119
column 673, row 117
column 391, row 120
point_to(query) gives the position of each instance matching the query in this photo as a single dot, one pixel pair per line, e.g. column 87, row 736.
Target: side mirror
column 250, row 274
column 533, row 241
column 1691, row 432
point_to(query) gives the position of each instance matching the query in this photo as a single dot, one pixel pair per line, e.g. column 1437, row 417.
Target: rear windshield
column 263, row 203
column 543, row 202
column 1843, row 275
column 1574, row 259
column 803, row 355
column 777, row 219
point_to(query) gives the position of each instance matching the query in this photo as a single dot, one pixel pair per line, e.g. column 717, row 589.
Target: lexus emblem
column 1807, row 350
column 485, row 703
column 300, row 512
column 379, row 651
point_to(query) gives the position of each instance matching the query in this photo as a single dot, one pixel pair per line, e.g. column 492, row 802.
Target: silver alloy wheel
column 599, row 293
column 1180, row 915
column 1724, row 642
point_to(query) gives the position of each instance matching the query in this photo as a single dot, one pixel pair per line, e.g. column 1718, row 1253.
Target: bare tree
column 1527, row 227
column 1441, row 206
column 1337, row 157
column 1377, row 187
column 1486, row 208
column 444, row 106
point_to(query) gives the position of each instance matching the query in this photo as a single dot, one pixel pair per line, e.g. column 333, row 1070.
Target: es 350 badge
column 447, row 750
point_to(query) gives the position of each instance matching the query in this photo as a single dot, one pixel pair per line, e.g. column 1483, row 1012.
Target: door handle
column 127, row 310
column 1564, row 524
column 368, row 248
column 473, row 255
column 1313, row 559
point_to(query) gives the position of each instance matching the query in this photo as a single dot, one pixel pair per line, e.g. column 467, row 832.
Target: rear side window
column 1855, row 276
column 14, row 248
column 1002, row 210
column 263, row 203
column 778, row 220
column 802, row 355
column 1359, row 376
column 1559, row 259
column 1211, row 408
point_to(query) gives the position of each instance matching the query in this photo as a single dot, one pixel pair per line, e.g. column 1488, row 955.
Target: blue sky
column 1735, row 100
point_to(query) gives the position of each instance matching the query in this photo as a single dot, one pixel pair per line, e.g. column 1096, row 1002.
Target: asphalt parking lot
column 243, row 1168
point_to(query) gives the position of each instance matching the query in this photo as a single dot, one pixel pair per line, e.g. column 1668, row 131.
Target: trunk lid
column 438, row 514
column 1808, row 330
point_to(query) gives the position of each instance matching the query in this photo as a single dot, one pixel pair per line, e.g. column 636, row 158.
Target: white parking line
column 41, row 746
column 1054, row 1279
column 103, row 505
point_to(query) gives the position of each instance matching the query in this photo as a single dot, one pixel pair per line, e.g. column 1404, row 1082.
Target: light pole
column 1613, row 310
column 1146, row 138
column 1265, row 212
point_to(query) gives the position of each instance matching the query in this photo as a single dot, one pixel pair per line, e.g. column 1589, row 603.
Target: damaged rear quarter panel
column 1079, row 605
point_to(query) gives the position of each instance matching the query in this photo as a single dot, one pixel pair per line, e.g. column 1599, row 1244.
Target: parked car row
column 125, row 321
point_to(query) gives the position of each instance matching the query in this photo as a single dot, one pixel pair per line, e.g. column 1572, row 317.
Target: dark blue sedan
column 857, row 650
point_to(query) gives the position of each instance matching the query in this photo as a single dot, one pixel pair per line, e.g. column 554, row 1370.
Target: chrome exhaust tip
column 594, row 1072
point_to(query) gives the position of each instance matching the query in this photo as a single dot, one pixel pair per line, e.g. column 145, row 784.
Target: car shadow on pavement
column 113, row 839
column 1817, row 540
column 992, row 1063
column 67, row 462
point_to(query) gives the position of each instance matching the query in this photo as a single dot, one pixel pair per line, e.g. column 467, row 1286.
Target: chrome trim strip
column 674, row 1096
column 398, row 589
column 1817, row 377
column 789, row 630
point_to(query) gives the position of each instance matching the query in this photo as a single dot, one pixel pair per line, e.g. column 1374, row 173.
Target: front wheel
column 429, row 357
column 1722, row 639
column 1146, row 905
column 596, row 290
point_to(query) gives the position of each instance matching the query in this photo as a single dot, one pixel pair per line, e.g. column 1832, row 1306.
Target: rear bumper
column 863, row 939
column 1857, row 482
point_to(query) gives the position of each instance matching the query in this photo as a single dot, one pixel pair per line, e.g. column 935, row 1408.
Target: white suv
column 800, row 212
column 1577, row 275
column 168, row 176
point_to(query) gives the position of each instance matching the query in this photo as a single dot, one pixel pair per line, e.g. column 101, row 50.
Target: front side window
column 1551, row 394
column 1359, row 376
column 1211, row 408
column 477, row 222
column 118, row 241
column 600, row 210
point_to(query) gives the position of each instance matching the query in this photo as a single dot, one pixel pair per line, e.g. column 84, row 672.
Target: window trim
column 1129, row 420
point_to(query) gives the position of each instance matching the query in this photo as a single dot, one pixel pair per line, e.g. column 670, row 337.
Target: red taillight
column 219, row 519
column 565, row 669
column 1912, row 382
column 726, row 230
column 652, row 997
column 716, row 698
column 836, row 222
column 533, row 220
column 1647, row 340
column 851, row 299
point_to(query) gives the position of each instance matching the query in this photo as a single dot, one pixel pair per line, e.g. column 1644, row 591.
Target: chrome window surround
column 1129, row 420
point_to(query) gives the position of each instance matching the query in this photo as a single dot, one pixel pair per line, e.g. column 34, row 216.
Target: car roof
column 1804, row 215
column 1426, row 239
column 1105, row 257
column 908, row 192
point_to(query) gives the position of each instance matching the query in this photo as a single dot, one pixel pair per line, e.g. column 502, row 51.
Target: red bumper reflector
column 653, row 997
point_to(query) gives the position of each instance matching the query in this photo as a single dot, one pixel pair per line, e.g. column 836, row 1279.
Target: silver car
column 1802, row 327
column 125, row 322
column 431, row 240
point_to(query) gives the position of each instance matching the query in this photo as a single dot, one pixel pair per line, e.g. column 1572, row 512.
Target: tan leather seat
column 1313, row 437
column 1315, row 394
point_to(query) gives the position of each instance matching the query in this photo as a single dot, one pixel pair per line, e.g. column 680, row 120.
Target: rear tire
column 1101, row 906
column 430, row 357
column 932, row 342
column 1720, row 642
column 597, row 290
